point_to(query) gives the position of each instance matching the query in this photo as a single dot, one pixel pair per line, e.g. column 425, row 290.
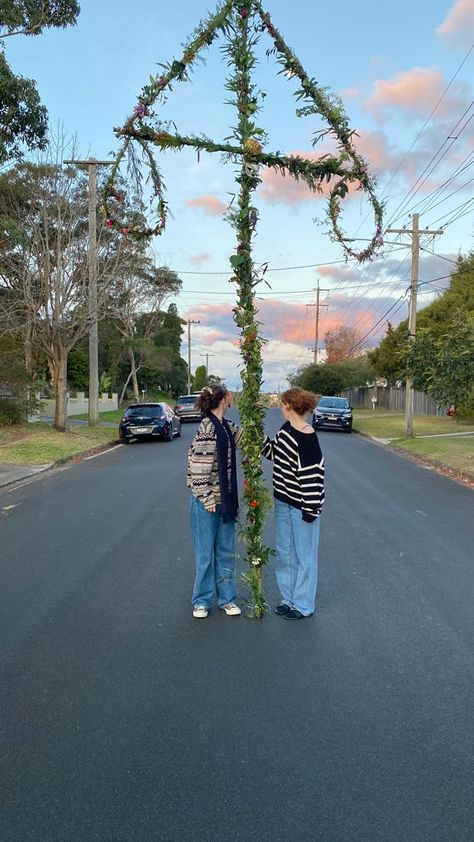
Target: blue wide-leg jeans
column 296, row 564
column 214, row 552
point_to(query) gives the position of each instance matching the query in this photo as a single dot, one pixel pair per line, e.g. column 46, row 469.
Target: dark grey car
column 333, row 413
column 186, row 408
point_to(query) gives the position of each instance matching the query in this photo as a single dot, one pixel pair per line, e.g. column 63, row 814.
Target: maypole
column 242, row 23
column 244, row 219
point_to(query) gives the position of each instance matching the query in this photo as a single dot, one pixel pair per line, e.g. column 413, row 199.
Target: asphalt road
column 122, row 718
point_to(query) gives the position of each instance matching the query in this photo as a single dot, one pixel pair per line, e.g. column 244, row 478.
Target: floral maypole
column 243, row 22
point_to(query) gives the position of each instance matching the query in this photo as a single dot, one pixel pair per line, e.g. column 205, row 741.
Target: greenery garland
column 243, row 23
column 349, row 166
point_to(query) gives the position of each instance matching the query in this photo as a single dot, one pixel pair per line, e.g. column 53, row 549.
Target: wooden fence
column 393, row 399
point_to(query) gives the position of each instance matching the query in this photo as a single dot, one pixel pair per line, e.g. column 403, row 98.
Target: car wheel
column 169, row 436
column 178, row 434
column 349, row 429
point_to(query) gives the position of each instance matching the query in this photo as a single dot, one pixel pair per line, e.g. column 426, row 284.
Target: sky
column 406, row 77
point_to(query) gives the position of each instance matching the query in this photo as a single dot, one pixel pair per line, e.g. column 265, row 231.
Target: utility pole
column 190, row 322
column 415, row 264
column 207, row 362
column 91, row 165
column 318, row 307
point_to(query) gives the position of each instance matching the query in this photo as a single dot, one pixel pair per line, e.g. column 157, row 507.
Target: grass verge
column 39, row 444
column 114, row 415
column 453, row 453
column 386, row 425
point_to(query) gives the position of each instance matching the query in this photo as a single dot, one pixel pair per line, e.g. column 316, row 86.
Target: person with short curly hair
column 298, row 489
column 214, row 503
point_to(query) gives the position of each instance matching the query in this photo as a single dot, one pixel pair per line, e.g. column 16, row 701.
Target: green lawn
column 39, row 444
column 386, row 425
column 454, row 453
column 114, row 415
column 457, row 453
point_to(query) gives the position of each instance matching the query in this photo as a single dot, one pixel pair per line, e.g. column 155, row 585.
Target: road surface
column 123, row 718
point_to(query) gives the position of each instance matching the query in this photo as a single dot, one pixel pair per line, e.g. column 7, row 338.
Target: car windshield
column 188, row 399
column 151, row 411
column 334, row 403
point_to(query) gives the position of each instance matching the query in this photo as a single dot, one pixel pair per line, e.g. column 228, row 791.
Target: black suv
column 334, row 413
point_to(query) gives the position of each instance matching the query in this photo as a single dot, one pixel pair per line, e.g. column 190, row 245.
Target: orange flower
column 254, row 504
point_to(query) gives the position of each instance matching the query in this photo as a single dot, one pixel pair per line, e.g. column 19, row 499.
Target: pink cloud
column 199, row 259
column 209, row 204
column 283, row 189
column 412, row 90
column 349, row 93
column 283, row 321
column 458, row 25
column 276, row 188
column 373, row 145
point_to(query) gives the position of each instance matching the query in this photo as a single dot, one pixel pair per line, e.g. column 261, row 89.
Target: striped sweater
column 298, row 470
column 203, row 471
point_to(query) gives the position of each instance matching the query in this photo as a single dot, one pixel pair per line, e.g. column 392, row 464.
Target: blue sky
column 391, row 66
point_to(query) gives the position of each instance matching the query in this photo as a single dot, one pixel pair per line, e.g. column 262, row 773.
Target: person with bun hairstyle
column 298, row 489
column 214, row 503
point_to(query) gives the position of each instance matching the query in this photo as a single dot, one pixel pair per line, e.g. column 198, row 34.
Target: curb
column 85, row 454
column 462, row 477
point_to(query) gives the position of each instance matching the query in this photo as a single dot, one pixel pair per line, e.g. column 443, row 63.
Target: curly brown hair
column 211, row 397
column 299, row 400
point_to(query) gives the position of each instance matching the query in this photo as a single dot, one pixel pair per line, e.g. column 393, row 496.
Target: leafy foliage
column 332, row 378
column 200, row 378
column 30, row 17
column 23, row 120
column 443, row 365
column 388, row 358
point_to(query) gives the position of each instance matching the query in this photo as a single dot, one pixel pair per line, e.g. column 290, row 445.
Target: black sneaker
column 294, row 614
column 282, row 609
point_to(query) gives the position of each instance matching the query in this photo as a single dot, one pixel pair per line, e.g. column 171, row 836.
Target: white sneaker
column 200, row 611
column 231, row 609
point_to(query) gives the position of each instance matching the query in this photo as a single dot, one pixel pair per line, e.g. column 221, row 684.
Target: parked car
column 334, row 413
column 149, row 420
column 186, row 408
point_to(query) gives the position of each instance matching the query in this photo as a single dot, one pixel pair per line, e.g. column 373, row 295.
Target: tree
column 443, row 365
column 387, row 357
column 23, row 120
column 44, row 275
column 332, row 378
column 200, row 378
column 139, row 292
column 342, row 343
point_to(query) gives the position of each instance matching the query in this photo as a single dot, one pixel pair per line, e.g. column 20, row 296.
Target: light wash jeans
column 296, row 564
column 214, row 552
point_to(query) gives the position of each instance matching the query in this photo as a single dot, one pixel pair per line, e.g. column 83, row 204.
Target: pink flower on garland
column 110, row 223
column 140, row 110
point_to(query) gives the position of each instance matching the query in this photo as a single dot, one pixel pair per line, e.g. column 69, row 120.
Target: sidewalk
column 13, row 473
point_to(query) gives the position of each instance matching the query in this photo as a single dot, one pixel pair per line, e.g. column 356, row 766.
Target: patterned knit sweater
column 298, row 470
column 203, row 471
